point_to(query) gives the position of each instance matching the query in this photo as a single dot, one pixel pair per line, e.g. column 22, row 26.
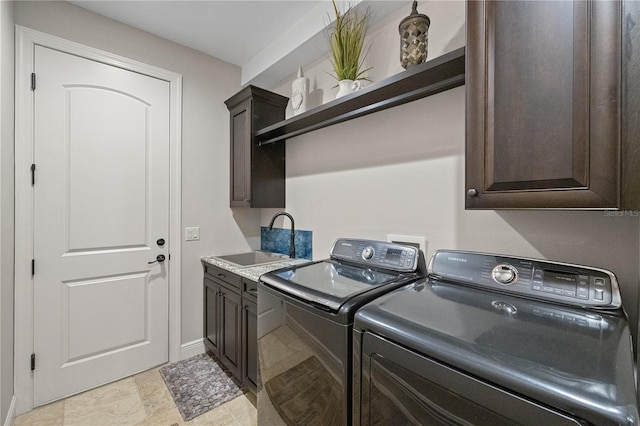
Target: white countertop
column 251, row 272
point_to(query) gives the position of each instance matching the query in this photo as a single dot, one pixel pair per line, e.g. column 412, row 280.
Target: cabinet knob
column 472, row 192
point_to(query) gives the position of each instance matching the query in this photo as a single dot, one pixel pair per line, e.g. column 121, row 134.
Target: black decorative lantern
column 413, row 38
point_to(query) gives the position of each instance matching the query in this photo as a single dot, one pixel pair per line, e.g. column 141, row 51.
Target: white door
column 101, row 202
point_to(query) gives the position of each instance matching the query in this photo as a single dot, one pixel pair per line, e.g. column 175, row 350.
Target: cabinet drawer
column 223, row 275
column 250, row 289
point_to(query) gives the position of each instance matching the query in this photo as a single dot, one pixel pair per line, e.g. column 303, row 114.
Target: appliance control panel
column 379, row 254
column 540, row 279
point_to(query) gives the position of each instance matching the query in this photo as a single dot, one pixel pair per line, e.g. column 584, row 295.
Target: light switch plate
column 191, row 233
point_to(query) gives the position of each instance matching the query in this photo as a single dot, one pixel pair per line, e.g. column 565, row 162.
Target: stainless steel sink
column 253, row 258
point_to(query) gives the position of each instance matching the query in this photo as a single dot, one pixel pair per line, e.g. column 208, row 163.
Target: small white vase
column 299, row 93
column 347, row 86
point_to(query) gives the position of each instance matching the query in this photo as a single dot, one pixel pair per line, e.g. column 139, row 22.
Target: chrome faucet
column 292, row 244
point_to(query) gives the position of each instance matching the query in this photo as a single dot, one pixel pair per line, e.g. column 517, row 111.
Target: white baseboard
column 11, row 414
column 193, row 348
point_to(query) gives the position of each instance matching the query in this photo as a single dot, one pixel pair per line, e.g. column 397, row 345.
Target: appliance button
column 599, row 282
column 599, row 294
column 583, row 293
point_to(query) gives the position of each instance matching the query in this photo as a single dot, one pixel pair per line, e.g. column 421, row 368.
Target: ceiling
column 234, row 31
column 267, row 39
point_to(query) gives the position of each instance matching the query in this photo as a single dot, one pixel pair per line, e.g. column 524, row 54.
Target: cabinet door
column 250, row 345
column 241, row 154
column 230, row 331
column 543, row 100
column 257, row 172
column 212, row 316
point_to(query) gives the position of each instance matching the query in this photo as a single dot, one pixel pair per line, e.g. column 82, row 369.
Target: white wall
column 207, row 83
column 6, row 207
column 401, row 171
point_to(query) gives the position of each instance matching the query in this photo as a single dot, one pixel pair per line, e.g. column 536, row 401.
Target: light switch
column 192, row 233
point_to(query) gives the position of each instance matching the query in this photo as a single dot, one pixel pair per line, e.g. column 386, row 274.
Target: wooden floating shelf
column 437, row 75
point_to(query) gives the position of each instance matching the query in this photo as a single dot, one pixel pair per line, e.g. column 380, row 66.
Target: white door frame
column 26, row 40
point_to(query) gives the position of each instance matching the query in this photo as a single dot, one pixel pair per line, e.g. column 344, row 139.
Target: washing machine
column 305, row 328
column 489, row 339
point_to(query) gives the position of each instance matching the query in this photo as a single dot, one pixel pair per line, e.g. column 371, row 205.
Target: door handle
column 159, row 258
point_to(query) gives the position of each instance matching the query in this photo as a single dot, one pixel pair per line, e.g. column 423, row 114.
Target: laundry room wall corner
column 6, row 211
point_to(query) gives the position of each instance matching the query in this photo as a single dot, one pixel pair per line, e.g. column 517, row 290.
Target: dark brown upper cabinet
column 548, row 106
column 257, row 172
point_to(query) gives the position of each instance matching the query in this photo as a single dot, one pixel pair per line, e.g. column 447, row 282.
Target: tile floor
column 142, row 400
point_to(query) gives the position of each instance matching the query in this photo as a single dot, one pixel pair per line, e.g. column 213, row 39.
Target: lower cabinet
column 230, row 323
column 222, row 330
column 211, row 316
column 230, row 331
column 250, row 350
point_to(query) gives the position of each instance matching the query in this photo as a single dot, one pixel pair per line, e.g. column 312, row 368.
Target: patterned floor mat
column 199, row 384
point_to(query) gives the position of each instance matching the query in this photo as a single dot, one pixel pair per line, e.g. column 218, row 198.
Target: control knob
column 504, row 274
column 367, row 253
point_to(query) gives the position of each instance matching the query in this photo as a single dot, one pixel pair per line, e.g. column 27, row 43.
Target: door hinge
column 33, row 267
column 33, row 362
column 33, row 174
column 33, row 81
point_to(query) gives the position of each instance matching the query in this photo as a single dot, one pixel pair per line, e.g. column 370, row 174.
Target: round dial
column 504, row 274
column 368, row 253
